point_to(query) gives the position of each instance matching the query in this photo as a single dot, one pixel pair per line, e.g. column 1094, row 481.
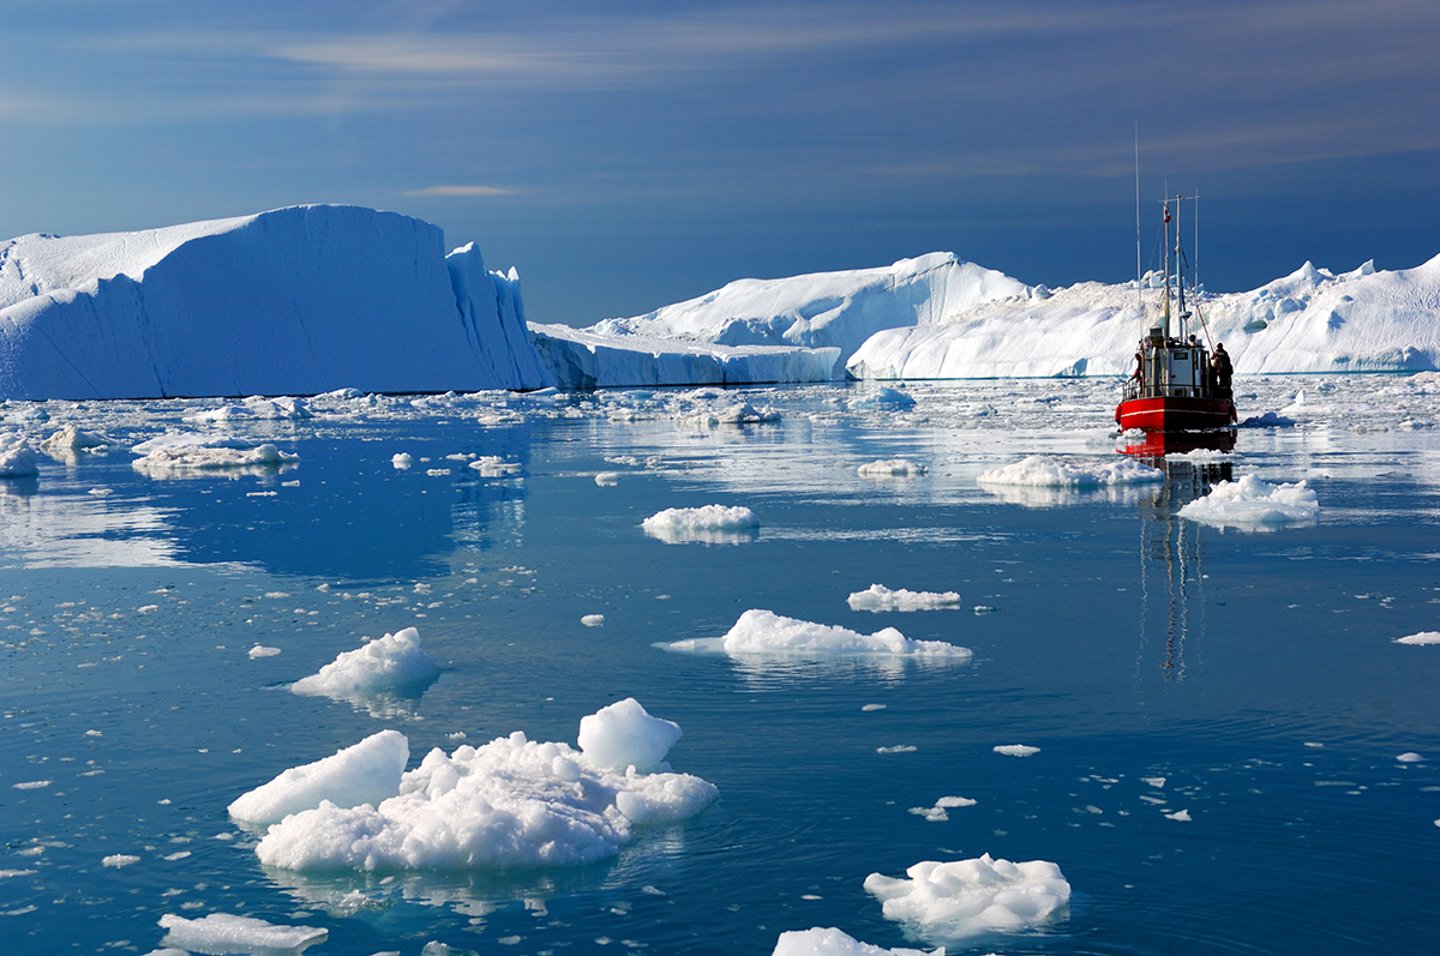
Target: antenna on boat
column 1139, row 291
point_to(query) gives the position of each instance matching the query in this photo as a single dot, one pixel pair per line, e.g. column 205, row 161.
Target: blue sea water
column 1255, row 672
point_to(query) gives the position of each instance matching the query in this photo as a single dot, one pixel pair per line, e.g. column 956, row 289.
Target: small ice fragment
column 1045, row 471
column 1409, row 756
column 867, row 708
column 1424, row 637
column 878, row 598
column 759, row 631
column 891, row 468
column 593, row 620
column 389, row 664
column 32, row 784
column 260, row 650
column 607, row 479
column 402, row 461
column 1254, row 505
column 1015, row 750
column 493, row 466
column 1182, row 816
column 1314, row 745
column 829, row 941
column 224, row 933
column 965, row 897
column 118, row 860
column 710, row 524
column 1157, row 782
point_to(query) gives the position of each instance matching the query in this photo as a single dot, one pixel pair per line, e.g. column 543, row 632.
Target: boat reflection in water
column 1170, row 542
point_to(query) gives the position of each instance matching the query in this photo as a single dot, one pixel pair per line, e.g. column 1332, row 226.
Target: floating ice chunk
column 118, row 860
column 607, row 479
column 938, row 813
column 880, row 598
column 740, row 413
column 191, row 458
column 1268, row 420
column 1157, row 782
column 1424, row 637
column 897, row 749
column 16, row 458
column 965, row 897
column 709, row 524
column 70, row 439
column 822, row 941
column 493, row 466
column 260, row 650
column 225, row 933
column 1015, row 750
column 1182, row 816
column 891, row 468
column 512, row 802
column 1409, row 756
column 366, row 772
column 1048, row 471
column 760, row 631
column 624, row 735
column 1254, row 505
column 593, row 620
column 395, row 663
column 884, row 397
column 32, row 784
column 402, row 461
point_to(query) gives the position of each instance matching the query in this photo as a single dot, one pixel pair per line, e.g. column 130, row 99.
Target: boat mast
column 1139, row 291
column 1165, row 219
column 1179, row 269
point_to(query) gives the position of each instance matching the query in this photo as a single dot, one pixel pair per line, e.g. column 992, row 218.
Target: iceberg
column 1310, row 321
column 829, row 941
column 394, row 664
column 512, row 802
column 966, row 897
column 1252, row 504
column 293, row 301
column 366, row 772
column 227, row 933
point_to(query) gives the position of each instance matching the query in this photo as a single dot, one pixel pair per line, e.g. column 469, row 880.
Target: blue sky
column 628, row 155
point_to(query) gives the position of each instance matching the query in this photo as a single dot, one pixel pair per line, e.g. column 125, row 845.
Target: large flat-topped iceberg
column 1310, row 321
column 292, row 301
column 584, row 358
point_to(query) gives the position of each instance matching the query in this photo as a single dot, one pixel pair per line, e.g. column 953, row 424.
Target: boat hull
column 1169, row 414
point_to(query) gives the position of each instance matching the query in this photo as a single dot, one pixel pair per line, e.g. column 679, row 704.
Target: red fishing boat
column 1179, row 383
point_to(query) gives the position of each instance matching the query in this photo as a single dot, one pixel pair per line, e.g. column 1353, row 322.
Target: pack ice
column 511, row 802
column 297, row 300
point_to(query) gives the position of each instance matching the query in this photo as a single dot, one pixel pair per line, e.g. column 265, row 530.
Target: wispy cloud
column 461, row 191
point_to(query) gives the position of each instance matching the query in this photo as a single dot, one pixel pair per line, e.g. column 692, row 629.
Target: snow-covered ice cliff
column 292, row 301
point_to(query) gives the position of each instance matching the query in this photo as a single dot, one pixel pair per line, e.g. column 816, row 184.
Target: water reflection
column 1172, row 579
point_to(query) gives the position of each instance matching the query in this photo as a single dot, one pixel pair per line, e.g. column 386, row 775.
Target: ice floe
column 1422, row 638
column 828, row 941
column 878, row 597
column 1252, row 504
column 891, row 468
column 366, row 772
column 393, row 664
column 17, row 460
column 762, row 632
column 402, row 461
column 962, row 898
column 939, row 812
column 1015, row 750
column 708, row 524
column 512, row 802
column 1049, row 471
column 226, row 933
column 183, row 453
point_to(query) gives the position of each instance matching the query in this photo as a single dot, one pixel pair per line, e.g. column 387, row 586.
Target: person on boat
column 1139, row 374
column 1222, row 368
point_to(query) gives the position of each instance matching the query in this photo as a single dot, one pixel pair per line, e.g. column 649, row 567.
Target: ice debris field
column 338, row 669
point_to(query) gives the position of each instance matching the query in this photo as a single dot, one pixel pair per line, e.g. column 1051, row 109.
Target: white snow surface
column 226, row 933
column 512, row 802
column 366, row 772
column 1312, row 320
column 1253, row 504
column 878, row 597
column 1049, row 471
column 962, row 898
column 823, row 941
column 587, row 358
column 292, row 301
column 823, row 310
column 389, row 664
column 760, row 631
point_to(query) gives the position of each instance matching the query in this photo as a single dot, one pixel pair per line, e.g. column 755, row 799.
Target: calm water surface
column 1255, row 673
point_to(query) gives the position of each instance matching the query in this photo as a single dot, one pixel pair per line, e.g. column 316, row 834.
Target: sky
column 624, row 156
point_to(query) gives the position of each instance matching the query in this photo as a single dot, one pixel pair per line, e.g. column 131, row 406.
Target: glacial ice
column 711, row 524
column 962, row 898
column 226, row 933
column 16, row 458
column 1421, row 638
column 366, row 772
column 395, row 663
column 1252, row 504
column 891, row 468
column 878, row 598
column 1049, row 471
column 512, row 802
column 293, row 301
column 765, row 632
column 1015, row 750
column 822, row 941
